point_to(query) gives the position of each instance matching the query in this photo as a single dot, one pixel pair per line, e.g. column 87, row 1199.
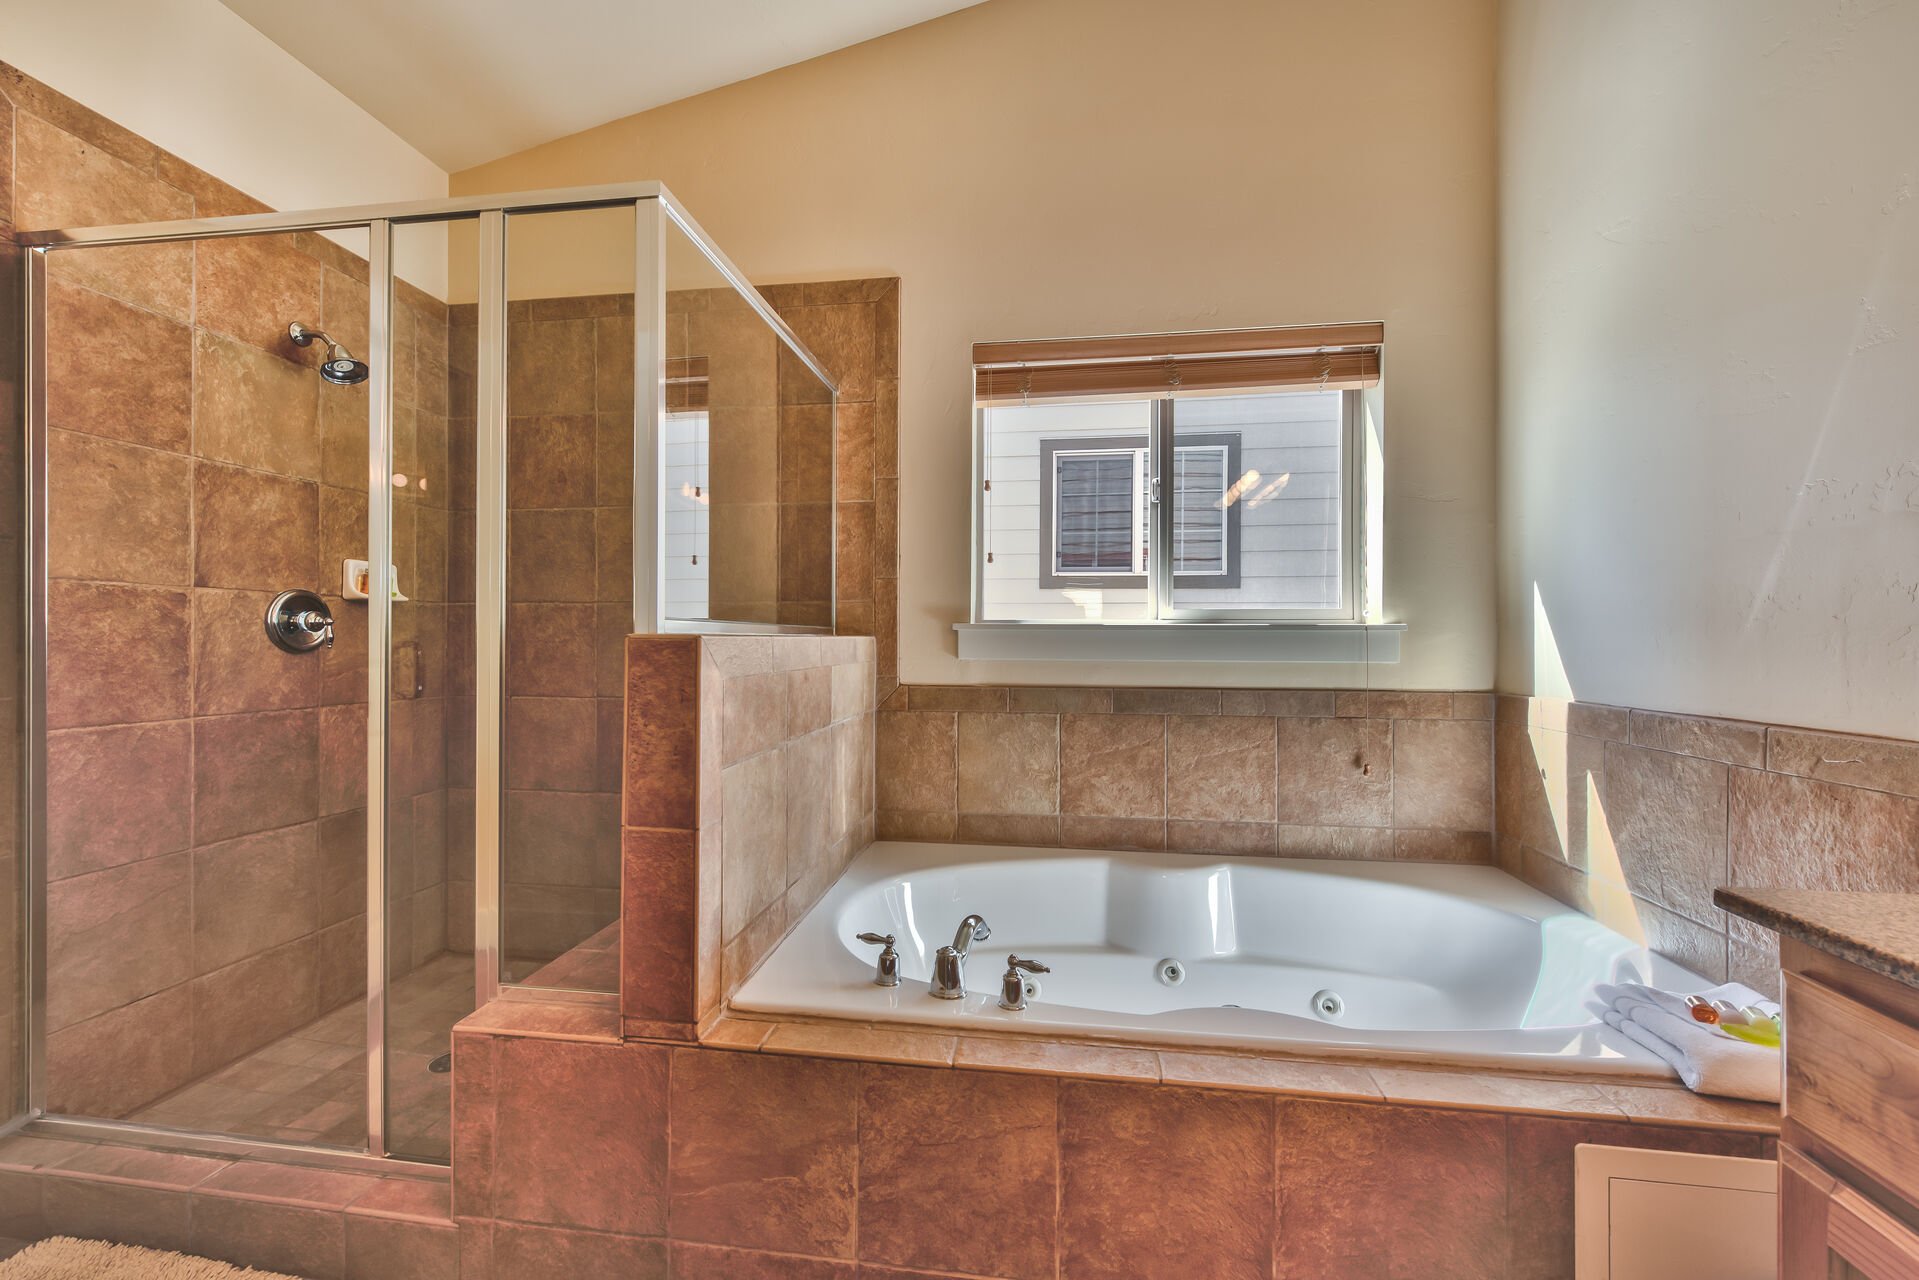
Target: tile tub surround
column 748, row 788
column 1295, row 772
column 205, row 841
column 1636, row 817
column 808, row 1151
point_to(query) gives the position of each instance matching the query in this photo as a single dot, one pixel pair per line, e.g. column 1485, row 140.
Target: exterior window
column 1099, row 509
column 1096, row 505
column 1172, row 477
column 1202, row 509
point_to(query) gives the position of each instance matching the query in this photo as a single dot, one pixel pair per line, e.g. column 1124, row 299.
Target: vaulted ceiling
column 466, row 81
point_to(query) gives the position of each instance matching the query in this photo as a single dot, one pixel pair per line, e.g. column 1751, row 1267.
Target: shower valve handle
column 299, row 622
column 313, row 622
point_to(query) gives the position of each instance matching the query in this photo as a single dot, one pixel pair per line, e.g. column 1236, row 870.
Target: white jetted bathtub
column 1420, row 959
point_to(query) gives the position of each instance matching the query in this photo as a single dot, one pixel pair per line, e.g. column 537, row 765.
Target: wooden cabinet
column 1849, row 1139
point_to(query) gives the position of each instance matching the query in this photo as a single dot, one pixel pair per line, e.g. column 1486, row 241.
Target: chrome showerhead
column 339, row 367
column 343, row 370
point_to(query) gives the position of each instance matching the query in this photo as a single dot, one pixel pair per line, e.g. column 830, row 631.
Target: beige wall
column 1709, row 464
column 1046, row 167
column 193, row 77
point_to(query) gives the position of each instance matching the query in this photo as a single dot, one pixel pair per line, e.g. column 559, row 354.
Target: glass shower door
column 429, row 487
column 203, row 848
column 331, row 559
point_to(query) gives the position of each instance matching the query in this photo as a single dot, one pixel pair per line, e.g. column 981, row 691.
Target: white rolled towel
column 1706, row 1059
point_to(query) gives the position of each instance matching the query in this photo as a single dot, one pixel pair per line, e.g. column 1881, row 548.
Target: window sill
column 1373, row 642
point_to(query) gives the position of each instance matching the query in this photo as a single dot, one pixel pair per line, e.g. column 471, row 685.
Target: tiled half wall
column 1300, row 772
column 748, row 788
column 1637, row 816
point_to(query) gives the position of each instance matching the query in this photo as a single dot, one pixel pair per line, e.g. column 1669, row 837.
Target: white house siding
column 1289, row 516
column 687, row 485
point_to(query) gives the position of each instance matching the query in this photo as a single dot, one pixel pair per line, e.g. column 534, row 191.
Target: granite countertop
column 1877, row 931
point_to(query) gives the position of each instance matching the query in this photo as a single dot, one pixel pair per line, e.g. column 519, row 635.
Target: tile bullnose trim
column 1339, row 1077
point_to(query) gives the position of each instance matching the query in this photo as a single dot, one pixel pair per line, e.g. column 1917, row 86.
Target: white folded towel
column 1707, row 1059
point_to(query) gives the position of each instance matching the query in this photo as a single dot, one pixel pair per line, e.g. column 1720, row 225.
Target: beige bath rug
column 63, row 1258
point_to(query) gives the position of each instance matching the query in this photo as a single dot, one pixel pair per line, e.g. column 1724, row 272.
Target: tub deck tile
column 1055, row 1058
column 1268, row 1075
column 865, row 1044
column 1486, row 1092
column 737, row 1033
column 1438, row 1086
column 1671, row 1105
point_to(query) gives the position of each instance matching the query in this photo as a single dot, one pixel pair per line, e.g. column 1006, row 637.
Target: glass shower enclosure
column 336, row 523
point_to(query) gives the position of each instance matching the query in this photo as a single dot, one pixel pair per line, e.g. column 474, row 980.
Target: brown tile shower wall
column 751, row 472
column 772, row 558
column 1301, row 772
column 1636, row 816
column 853, row 328
column 569, row 608
column 749, row 787
column 206, row 822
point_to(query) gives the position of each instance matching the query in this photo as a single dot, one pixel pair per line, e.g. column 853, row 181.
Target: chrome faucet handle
column 314, row 622
column 1013, row 983
column 887, row 971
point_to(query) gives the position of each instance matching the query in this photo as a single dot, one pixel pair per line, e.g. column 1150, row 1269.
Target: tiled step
column 326, row 1224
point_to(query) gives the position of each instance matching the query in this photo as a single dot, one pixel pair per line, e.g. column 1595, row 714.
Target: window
column 1095, row 499
column 1252, row 439
column 1098, row 518
column 687, row 437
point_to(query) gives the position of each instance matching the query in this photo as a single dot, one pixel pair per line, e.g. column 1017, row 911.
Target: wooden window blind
column 1327, row 357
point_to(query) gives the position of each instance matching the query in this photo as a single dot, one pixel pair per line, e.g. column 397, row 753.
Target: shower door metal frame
column 655, row 209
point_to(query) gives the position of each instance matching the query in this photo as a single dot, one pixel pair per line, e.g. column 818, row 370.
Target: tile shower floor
column 310, row 1086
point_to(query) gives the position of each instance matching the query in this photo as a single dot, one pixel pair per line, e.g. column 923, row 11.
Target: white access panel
column 1672, row 1215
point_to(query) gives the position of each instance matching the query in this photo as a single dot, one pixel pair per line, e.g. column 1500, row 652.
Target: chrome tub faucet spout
column 949, row 963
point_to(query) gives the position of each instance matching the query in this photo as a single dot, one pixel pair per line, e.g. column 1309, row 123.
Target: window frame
column 1138, row 444
column 1160, row 580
